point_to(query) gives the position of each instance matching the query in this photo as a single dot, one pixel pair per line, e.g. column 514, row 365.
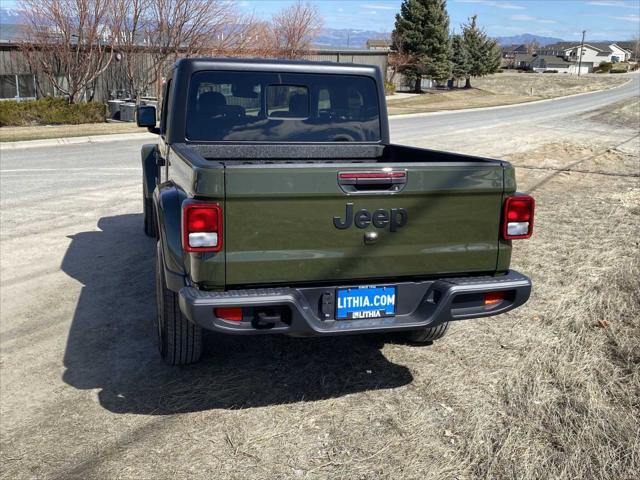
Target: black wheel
column 179, row 340
column 149, row 217
column 426, row 336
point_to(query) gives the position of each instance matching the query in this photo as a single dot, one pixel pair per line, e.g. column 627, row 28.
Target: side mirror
column 146, row 117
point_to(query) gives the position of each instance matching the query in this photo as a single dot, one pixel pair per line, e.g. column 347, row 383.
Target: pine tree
column 422, row 31
column 484, row 53
column 459, row 58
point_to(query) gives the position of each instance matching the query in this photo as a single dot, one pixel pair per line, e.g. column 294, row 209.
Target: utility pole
column 581, row 49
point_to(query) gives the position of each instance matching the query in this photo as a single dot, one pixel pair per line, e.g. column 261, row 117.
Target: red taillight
column 493, row 298
column 517, row 219
column 230, row 314
column 201, row 227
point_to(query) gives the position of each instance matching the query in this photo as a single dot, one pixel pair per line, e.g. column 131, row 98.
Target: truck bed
column 289, row 219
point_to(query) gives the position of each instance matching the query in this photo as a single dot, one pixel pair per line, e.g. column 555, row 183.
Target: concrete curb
column 500, row 107
column 52, row 142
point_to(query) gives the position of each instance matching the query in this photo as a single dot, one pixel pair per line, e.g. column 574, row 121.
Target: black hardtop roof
column 274, row 65
column 180, row 77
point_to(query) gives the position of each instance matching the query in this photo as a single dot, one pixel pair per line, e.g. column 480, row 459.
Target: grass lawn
column 505, row 88
column 15, row 134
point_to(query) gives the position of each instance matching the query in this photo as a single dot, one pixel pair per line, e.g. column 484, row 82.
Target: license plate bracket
column 365, row 302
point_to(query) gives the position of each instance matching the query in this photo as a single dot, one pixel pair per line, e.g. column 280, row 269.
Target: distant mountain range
column 342, row 38
column 527, row 38
column 347, row 38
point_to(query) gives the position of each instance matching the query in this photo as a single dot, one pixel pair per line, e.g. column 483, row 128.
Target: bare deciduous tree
column 70, row 41
column 532, row 47
column 295, row 28
column 186, row 28
column 398, row 61
column 73, row 41
column 155, row 33
column 130, row 46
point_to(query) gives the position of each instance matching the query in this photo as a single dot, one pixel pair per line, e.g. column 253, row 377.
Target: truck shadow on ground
column 111, row 344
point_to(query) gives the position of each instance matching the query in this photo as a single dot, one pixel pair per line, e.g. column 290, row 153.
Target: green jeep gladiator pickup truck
column 281, row 207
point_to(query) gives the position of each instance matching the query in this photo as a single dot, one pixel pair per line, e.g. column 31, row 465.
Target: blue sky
column 602, row 19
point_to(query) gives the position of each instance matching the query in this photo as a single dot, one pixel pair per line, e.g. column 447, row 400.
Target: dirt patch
column 622, row 114
column 596, row 158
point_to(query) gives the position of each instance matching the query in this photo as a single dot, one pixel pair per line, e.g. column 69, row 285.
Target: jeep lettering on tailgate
column 395, row 218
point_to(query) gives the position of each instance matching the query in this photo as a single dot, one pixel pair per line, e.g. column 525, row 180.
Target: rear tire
column 426, row 336
column 149, row 217
column 179, row 341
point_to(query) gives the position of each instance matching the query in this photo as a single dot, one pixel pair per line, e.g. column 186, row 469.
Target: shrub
column 550, row 71
column 50, row 111
column 389, row 88
column 618, row 70
column 605, row 66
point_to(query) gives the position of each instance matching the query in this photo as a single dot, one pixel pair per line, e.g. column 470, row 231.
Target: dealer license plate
column 365, row 302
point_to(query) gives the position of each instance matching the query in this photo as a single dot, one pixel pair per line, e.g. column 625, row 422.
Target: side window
column 287, row 101
column 324, row 99
column 166, row 105
column 355, row 99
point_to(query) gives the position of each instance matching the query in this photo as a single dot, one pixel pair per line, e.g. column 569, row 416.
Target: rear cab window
column 282, row 107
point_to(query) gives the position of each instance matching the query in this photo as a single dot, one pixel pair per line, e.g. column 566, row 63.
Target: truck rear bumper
column 308, row 311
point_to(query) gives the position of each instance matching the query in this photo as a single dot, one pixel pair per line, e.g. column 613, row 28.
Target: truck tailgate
column 280, row 227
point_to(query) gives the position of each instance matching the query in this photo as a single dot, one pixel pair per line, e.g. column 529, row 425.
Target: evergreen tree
column 459, row 58
column 483, row 52
column 422, row 31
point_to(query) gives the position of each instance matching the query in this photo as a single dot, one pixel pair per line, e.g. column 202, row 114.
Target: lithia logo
column 394, row 218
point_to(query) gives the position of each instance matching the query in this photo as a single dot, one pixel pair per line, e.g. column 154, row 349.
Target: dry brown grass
column 622, row 114
column 547, row 85
column 505, row 88
column 15, row 134
column 569, row 408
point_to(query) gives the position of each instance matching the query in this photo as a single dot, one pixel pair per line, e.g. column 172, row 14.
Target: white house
column 619, row 54
column 593, row 54
column 544, row 63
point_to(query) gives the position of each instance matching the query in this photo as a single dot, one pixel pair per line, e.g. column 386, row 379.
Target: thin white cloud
column 612, row 3
column 496, row 4
column 627, row 18
column 530, row 18
column 523, row 18
column 378, row 7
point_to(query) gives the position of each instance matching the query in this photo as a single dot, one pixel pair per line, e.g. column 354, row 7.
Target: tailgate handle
column 391, row 181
